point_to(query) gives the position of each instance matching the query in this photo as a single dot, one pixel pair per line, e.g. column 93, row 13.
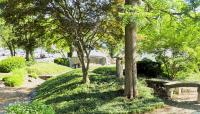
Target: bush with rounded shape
column 30, row 108
column 149, row 68
column 16, row 78
column 62, row 61
column 11, row 63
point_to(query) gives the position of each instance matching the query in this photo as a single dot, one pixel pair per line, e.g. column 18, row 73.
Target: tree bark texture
column 130, row 56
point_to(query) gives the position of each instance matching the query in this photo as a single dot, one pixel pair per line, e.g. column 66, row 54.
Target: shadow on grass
column 56, row 86
column 84, row 96
column 68, row 95
column 84, row 102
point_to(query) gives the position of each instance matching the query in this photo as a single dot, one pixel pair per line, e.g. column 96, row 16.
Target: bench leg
column 179, row 91
column 170, row 93
column 198, row 99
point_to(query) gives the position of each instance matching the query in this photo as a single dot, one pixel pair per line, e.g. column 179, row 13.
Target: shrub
column 62, row 61
column 11, row 63
column 30, row 108
column 149, row 68
column 144, row 67
column 16, row 78
column 108, row 70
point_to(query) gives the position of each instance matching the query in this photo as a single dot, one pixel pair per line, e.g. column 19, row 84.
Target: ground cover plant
column 67, row 94
column 30, row 108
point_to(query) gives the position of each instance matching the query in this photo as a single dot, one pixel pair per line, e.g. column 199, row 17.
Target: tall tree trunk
column 119, row 67
column 130, row 56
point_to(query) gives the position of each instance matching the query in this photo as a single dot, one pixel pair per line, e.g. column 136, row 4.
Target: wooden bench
column 176, row 84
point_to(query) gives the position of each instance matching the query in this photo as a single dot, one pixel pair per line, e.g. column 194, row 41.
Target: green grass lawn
column 17, row 76
column 42, row 69
column 68, row 95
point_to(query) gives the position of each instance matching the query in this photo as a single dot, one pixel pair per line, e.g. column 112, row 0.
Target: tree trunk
column 70, row 52
column 32, row 54
column 85, row 66
column 27, row 55
column 130, row 57
column 12, row 53
column 85, row 75
column 119, row 67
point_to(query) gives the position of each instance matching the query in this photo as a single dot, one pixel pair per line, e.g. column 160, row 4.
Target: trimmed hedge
column 62, row 61
column 11, row 63
column 107, row 70
column 30, row 108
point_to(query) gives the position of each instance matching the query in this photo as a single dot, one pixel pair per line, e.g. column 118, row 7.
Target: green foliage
column 62, row 61
column 16, row 78
column 107, row 70
column 30, row 108
column 29, row 63
column 67, row 94
column 11, row 63
column 7, row 38
column 42, row 69
column 172, row 38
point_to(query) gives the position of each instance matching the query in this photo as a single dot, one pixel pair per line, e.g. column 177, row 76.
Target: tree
column 113, row 40
column 80, row 21
column 7, row 37
column 173, row 36
column 26, row 25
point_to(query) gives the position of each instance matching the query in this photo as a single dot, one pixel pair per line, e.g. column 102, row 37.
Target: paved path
column 9, row 95
column 185, row 103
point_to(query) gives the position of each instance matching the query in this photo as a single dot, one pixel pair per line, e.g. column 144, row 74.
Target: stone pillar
column 119, row 67
column 178, row 90
column 198, row 99
column 169, row 92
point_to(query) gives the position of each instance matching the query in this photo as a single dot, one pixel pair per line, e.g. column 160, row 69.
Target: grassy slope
column 104, row 95
column 47, row 69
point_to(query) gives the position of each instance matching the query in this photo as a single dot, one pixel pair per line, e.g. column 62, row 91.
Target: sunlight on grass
column 42, row 69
